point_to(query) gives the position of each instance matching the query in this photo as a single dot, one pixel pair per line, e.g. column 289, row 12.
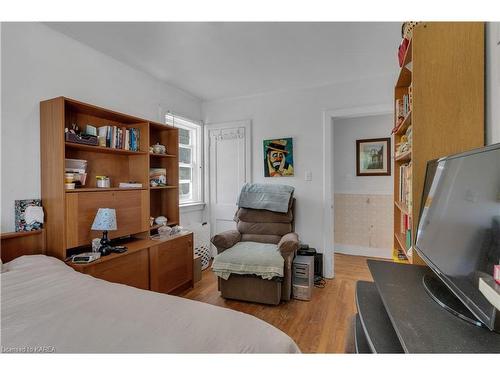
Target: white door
column 229, row 168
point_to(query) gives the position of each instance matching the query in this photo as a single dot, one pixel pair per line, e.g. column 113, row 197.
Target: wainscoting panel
column 363, row 224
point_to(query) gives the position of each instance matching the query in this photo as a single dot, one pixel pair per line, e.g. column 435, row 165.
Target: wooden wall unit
column 445, row 66
column 171, row 265
column 131, row 213
column 70, row 213
column 16, row 244
column 131, row 269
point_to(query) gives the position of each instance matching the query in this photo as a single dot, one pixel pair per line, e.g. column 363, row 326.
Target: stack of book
column 79, row 170
column 119, row 137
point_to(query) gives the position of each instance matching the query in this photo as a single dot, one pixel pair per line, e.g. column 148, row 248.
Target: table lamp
column 105, row 220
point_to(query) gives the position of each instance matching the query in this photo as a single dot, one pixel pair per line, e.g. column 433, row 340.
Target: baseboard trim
column 363, row 251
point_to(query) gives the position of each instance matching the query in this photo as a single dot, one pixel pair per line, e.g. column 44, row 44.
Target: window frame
column 196, row 146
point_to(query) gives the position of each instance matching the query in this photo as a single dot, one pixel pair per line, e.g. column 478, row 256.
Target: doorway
column 330, row 119
column 228, row 165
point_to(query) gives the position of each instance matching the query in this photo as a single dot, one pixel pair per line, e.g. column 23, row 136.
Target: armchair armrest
column 288, row 244
column 225, row 240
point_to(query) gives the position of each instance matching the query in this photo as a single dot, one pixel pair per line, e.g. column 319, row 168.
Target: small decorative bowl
column 159, row 149
column 164, row 230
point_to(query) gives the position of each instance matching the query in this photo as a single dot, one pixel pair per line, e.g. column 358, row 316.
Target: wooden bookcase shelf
column 401, row 242
column 404, row 125
column 70, row 212
column 444, row 64
column 107, row 150
column 86, row 190
column 405, row 156
column 162, row 156
column 402, row 207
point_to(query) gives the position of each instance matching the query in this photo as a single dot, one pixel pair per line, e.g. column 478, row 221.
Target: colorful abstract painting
column 278, row 157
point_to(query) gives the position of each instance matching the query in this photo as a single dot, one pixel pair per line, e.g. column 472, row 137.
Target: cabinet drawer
column 171, row 264
column 130, row 269
column 81, row 208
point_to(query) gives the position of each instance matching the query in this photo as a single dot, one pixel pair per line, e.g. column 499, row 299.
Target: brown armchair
column 265, row 227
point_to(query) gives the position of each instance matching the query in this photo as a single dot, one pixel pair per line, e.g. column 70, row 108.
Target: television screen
column 459, row 229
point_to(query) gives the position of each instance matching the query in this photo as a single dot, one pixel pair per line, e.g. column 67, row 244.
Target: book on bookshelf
column 403, row 107
column 130, row 185
column 405, row 186
column 119, row 137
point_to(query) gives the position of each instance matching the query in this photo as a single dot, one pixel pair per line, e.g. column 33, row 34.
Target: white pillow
column 1, row 266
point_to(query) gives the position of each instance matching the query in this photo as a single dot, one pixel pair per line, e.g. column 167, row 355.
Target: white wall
column 493, row 82
column 39, row 63
column 345, row 133
column 299, row 114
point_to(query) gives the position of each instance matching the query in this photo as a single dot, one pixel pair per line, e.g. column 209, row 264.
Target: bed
column 48, row 305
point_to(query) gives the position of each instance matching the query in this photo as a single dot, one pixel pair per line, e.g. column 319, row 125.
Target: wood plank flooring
column 322, row 325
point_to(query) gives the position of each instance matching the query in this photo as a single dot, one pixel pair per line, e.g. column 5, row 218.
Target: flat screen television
column 459, row 228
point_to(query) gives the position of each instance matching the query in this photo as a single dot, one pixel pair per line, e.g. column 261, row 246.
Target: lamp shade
column 105, row 219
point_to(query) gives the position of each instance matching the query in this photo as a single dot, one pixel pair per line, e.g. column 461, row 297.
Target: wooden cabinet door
column 129, row 269
column 81, row 208
column 171, row 265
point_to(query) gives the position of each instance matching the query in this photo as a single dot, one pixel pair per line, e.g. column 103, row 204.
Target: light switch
column 309, row 176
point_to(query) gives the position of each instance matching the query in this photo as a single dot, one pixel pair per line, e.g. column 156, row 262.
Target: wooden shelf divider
column 107, row 150
column 405, row 156
column 402, row 207
column 162, row 155
column 404, row 125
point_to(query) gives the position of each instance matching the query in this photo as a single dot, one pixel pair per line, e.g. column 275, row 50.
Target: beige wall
column 363, row 224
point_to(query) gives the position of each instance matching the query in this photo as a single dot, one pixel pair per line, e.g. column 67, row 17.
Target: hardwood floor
column 322, row 325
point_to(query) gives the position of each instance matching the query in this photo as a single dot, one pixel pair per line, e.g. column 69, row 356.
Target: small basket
column 84, row 139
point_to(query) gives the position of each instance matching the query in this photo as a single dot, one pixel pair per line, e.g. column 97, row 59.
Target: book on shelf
column 128, row 185
column 408, row 239
column 405, row 185
column 120, row 137
column 403, row 108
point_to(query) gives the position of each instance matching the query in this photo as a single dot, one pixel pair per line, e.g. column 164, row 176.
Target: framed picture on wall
column 373, row 157
column 278, row 157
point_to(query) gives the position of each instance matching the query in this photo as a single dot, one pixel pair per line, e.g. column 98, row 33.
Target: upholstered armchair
column 265, row 227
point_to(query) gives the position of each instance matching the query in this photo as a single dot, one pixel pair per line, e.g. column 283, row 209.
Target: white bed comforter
column 47, row 304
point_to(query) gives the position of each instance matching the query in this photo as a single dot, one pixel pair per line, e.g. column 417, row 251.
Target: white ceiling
column 214, row 60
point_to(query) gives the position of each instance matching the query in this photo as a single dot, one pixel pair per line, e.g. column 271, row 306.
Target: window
column 190, row 161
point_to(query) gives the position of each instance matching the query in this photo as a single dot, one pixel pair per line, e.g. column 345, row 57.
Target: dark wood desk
column 397, row 315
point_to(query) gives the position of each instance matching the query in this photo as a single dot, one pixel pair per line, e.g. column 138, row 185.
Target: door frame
column 329, row 118
column 247, row 124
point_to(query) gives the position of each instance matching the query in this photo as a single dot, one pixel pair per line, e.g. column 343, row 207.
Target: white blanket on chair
column 250, row 258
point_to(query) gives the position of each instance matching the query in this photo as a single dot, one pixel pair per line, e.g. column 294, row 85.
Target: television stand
column 440, row 293
column 397, row 315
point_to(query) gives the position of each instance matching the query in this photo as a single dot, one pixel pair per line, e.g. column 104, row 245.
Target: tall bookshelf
column 70, row 213
column 444, row 70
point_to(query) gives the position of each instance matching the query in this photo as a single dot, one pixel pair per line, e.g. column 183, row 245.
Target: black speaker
column 318, row 264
